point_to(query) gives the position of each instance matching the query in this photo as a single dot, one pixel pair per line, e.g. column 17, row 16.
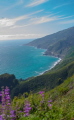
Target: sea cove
column 23, row 61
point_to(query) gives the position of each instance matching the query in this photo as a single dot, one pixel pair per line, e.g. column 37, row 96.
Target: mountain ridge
column 65, row 37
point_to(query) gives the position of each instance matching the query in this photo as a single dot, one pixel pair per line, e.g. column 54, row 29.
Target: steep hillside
column 61, row 48
column 49, row 40
column 57, row 104
column 57, row 44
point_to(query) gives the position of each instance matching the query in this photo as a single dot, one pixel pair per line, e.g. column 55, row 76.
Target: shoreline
column 58, row 61
column 55, row 63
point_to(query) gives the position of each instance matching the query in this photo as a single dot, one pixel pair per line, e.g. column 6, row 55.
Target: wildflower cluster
column 8, row 111
column 49, row 104
column 27, row 108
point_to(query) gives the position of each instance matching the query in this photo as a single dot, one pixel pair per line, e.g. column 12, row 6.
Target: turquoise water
column 23, row 61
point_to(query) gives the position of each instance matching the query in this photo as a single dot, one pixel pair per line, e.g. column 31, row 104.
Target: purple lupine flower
column 12, row 114
column 6, row 91
column 1, row 117
column 0, row 93
column 49, row 104
column 27, row 108
column 7, row 95
column 6, row 105
column 42, row 95
column 3, row 100
column 50, row 101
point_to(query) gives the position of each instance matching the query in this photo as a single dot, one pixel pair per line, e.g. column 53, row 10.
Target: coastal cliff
column 57, row 44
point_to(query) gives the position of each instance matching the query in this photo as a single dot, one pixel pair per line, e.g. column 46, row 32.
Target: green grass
column 62, row 103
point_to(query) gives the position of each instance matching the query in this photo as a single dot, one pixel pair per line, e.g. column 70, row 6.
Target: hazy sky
column 29, row 19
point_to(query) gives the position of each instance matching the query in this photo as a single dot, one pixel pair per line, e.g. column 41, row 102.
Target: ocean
column 23, row 61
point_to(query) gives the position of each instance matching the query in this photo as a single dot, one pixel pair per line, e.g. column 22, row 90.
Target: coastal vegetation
column 8, row 80
column 47, row 96
column 57, row 104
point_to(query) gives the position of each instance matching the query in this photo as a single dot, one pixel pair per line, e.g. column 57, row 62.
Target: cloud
column 61, row 5
column 37, row 20
column 20, row 26
column 43, row 19
column 40, row 20
column 36, row 2
column 6, row 22
column 20, row 36
column 67, row 22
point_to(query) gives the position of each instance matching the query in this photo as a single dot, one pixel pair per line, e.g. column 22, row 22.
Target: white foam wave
column 56, row 63
column 50, row 67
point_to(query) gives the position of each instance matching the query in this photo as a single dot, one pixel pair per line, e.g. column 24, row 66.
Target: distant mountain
column 57, row 44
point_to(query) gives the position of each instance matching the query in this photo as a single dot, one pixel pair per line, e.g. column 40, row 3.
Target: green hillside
column 61, row 48
column 66, row 60
column 57, row 44
column 57, row 104
column 49, row 40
